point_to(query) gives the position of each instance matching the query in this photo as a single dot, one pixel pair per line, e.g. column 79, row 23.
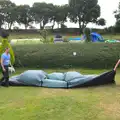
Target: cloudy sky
column 107, row 8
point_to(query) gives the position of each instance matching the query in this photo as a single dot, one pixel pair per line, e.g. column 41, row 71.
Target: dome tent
column 96, row 37
column 70, row 79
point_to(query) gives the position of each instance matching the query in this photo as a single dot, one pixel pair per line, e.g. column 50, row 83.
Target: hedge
column 91, row 55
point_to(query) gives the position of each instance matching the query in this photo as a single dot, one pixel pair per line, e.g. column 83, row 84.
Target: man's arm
column 117, row 65
column 2, row 64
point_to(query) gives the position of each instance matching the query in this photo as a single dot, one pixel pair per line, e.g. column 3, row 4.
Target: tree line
column 78, row 11
column 116, row 27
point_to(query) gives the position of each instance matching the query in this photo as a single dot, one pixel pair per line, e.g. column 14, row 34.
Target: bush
column 87, row 32
column 45, row 34
column 51, row 40
column 92, row 55
column 65, row 40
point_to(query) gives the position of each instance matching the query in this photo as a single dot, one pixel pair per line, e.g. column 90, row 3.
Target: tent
column 70, row 79
column 96, row 37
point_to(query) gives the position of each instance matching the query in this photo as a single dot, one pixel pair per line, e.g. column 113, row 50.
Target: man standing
column 5, row 62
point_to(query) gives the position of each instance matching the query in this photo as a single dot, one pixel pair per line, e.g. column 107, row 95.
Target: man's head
column 7, row 50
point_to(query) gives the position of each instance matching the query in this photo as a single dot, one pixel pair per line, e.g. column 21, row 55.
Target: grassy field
column 20, row 36
column 117, row 36
column 37, row 35
column 33, row 37
column 30, row 103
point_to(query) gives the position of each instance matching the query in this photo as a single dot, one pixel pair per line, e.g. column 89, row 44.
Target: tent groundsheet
column 71, row 79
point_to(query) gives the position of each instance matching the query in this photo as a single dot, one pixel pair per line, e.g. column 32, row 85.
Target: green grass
column 37, row 35
column 110, row 36
column 24, row 42
column 22, row 36
column 30, row 103
column 107, row 36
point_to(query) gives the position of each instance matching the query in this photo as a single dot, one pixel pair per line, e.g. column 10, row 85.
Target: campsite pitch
column 31, row 103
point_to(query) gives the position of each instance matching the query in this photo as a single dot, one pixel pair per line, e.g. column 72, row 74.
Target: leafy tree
column 117, row 13
column 84, row 12
column 1, row 20
column 117, row 16
column 24, row 15
column 5, row 43
column 60, row 14
column 101, row 22
column 63, row 26
column 53, row 15
column 117, row 24
column 41, row 13
column 3, row 5
column 10, row 14
column 87, row 33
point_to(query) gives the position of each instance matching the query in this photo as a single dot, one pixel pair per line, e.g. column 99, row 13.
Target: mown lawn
column 33, row 103
column 37, row 35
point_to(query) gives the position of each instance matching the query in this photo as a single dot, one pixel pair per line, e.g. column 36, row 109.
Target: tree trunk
column 41, row 27
column 9, row 26
column 0, row 26
column 80, row 27
column 58, row 25
column 26, row 26
column 53, row 25
column 0, row 29
column 83, row 25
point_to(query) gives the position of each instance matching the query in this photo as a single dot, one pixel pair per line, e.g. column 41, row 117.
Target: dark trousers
column 5, row 76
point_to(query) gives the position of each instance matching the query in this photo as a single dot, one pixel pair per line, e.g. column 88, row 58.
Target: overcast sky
column 107, row 8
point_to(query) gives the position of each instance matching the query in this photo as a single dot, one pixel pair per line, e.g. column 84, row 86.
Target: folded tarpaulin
column 61, row 80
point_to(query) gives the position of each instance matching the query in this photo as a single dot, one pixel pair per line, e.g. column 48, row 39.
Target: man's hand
column 117, row 64
column 4, row 70
column 2, row 65
column 119, row 61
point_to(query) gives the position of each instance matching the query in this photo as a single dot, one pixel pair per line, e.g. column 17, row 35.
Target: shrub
column 51, row 40
column 93, row 55
column 45, row 34
column 65, row 40
column 4, row 45
column 87, row 32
